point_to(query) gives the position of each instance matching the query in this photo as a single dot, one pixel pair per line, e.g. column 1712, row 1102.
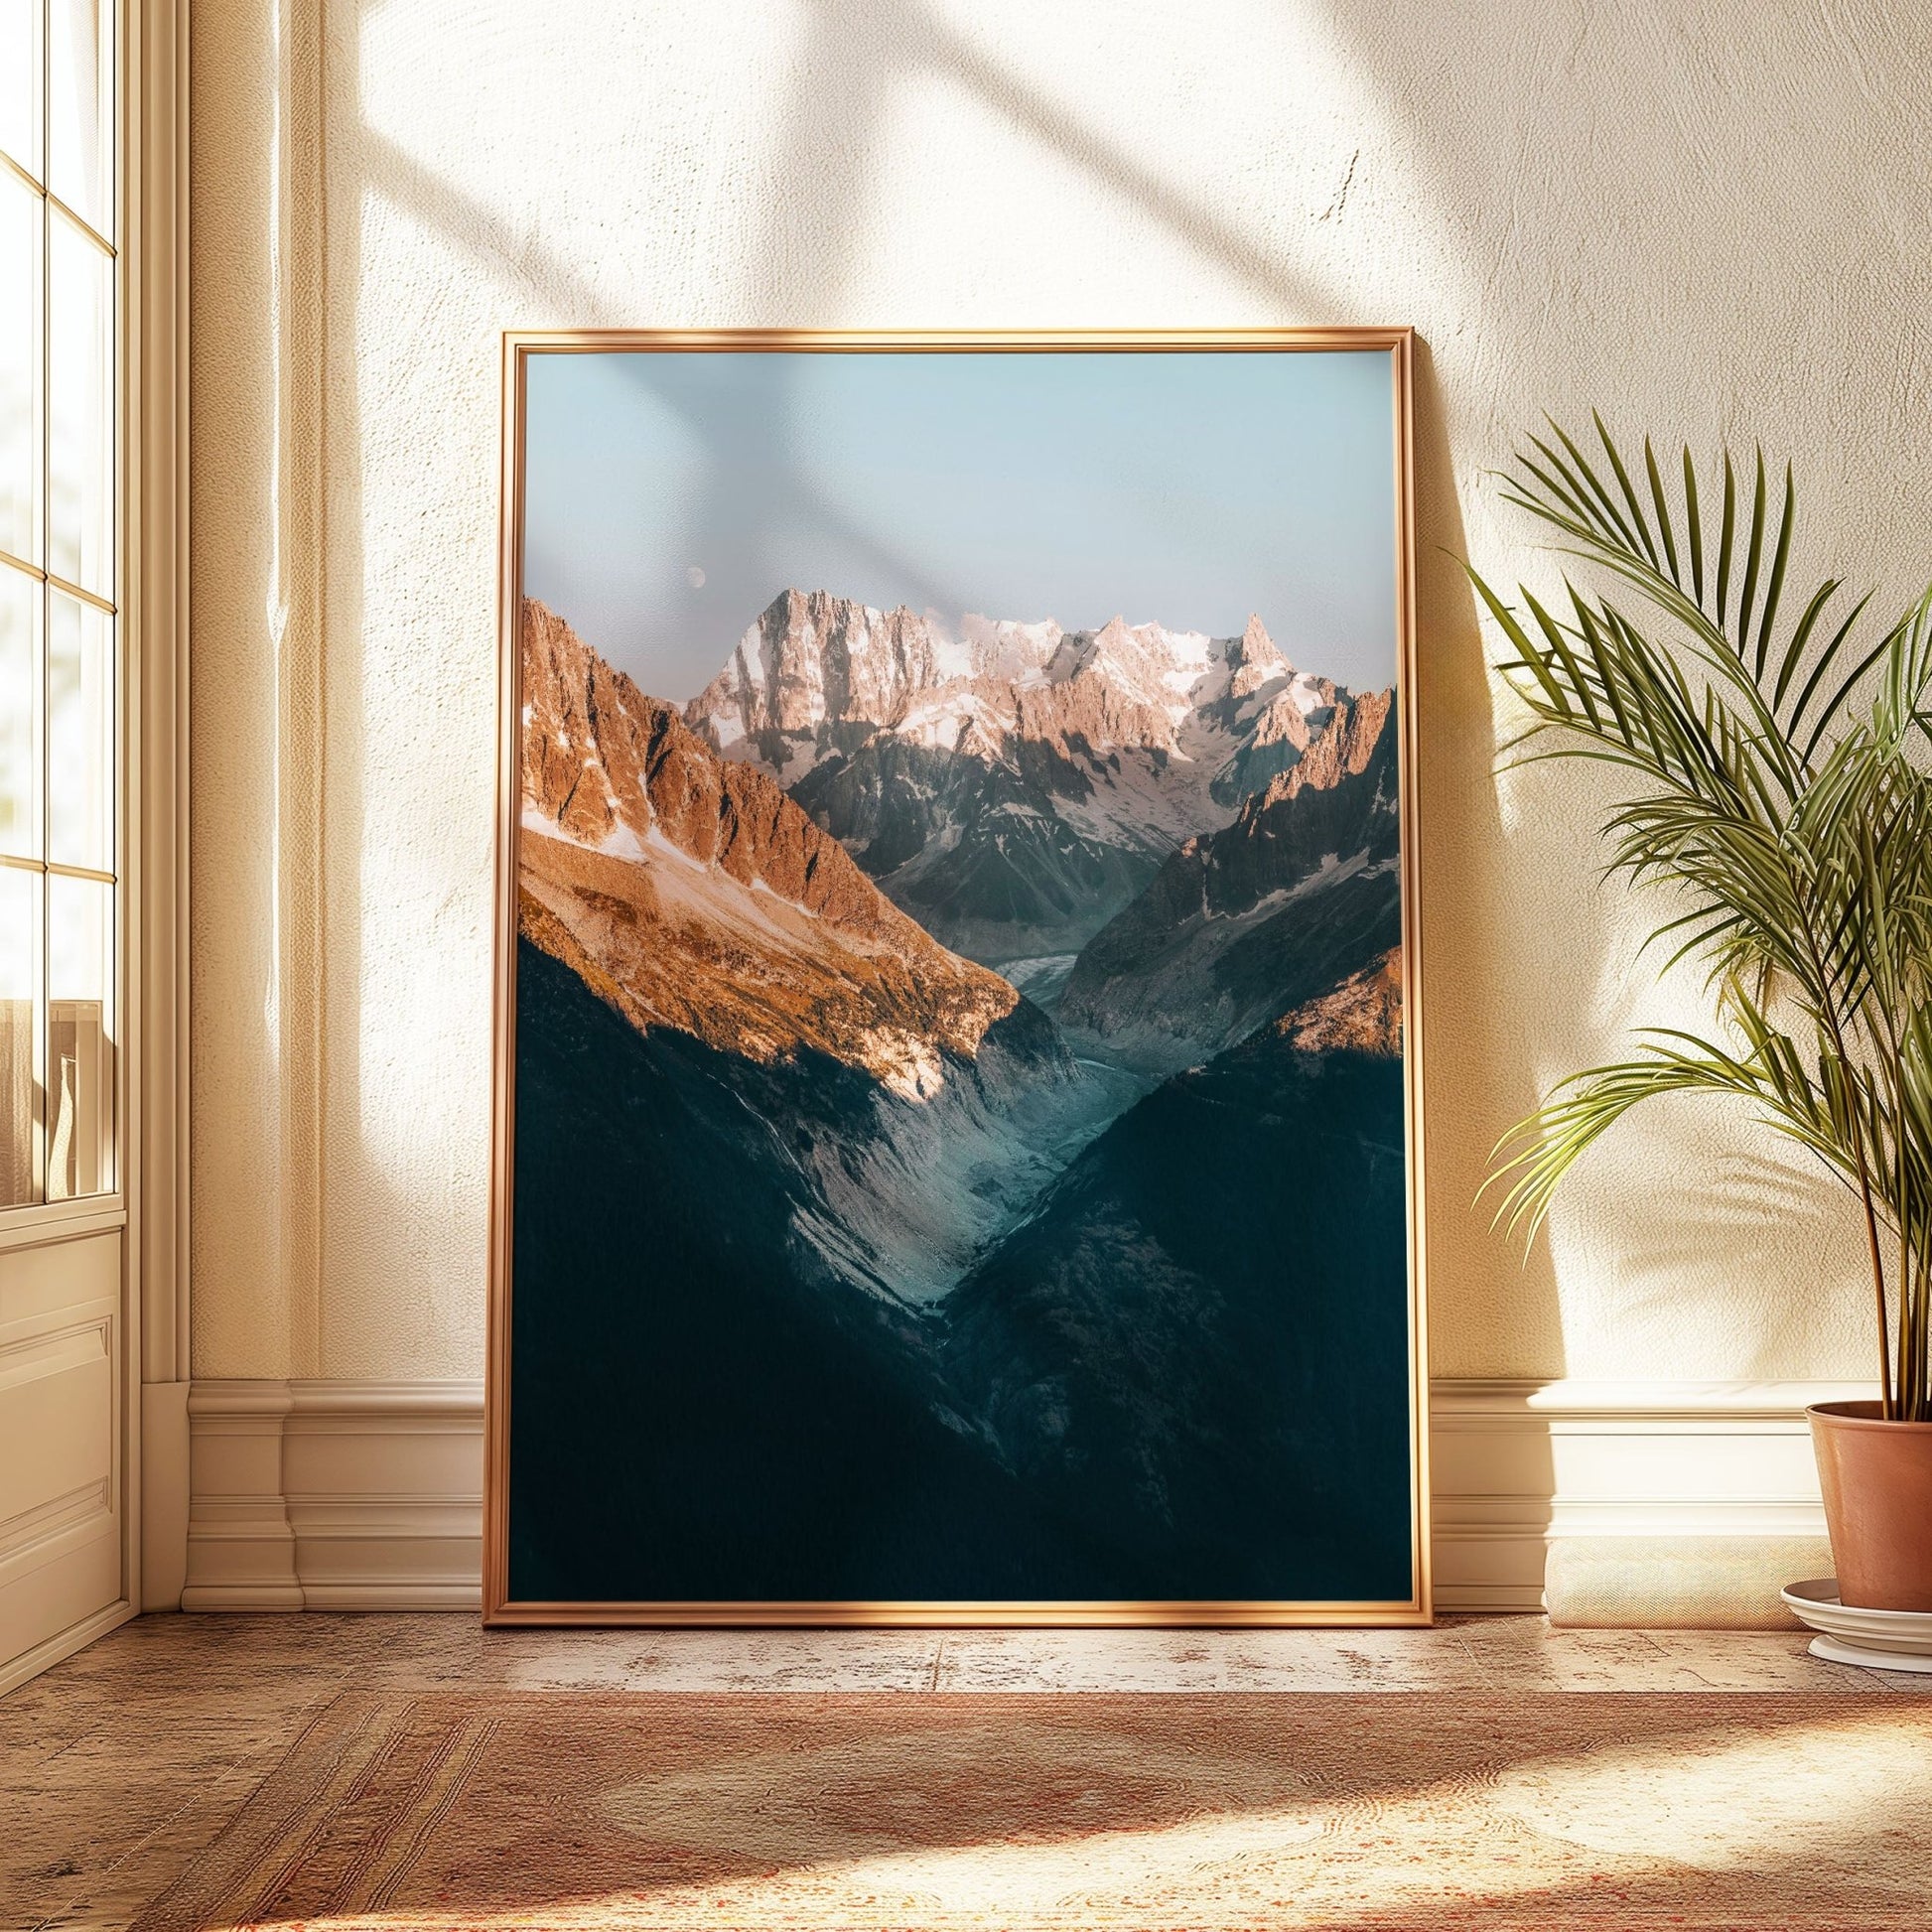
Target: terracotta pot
column 1877, row 1477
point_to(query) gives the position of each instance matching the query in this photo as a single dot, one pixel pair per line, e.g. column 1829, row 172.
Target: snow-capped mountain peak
column 812, row 663
column 811, row 660
column 1169, row 671
column 1253, row 661
column 917, row 744
column 997, row 649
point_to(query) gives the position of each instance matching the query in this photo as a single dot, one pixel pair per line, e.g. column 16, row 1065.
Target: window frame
column 22, row 1223
column 150, row 1207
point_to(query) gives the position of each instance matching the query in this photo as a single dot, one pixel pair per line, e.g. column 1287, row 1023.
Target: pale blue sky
column 669, row 498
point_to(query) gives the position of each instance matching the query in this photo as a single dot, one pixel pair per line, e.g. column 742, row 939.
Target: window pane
column 20, row 86
column 79, row 1038
column 21, row 229
column 20, row 704
column 80, row 734
column 20, row 951
column 79, row 113
column 79, row 466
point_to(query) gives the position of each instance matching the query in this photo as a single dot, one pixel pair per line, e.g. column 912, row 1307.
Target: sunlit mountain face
column 1011, row 785
column 959, row 1142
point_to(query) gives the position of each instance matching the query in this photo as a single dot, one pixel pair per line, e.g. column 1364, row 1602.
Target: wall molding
column 1665, row 1501
column 335, row 1495
column 156, row 748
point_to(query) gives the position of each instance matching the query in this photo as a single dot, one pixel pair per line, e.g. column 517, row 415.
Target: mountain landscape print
column 959, row 1148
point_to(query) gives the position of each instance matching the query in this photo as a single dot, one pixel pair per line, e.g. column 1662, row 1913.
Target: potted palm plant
column 1774, row 756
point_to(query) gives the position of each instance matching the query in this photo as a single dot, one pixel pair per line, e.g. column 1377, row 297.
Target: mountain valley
column 963, row 1033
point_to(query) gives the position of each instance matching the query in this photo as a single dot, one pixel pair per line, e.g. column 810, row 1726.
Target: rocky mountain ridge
column 692, row 893
column 1241, row 924
column 919, row 1102
column 1363, row 1015
column 1011, row 784
column 813, row 666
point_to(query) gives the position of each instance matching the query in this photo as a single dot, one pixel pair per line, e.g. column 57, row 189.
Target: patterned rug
column 467, row 1813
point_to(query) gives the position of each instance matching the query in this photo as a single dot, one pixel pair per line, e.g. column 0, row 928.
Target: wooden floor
column 119, row 1765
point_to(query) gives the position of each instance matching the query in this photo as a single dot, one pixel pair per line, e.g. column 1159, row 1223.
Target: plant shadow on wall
column 1678, row 1267
column 1774, row 784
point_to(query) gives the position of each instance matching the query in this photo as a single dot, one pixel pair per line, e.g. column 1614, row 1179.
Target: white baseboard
column 1639, row 1501
column 335, row 1497
column 60, row 1646
column 1649, row 1501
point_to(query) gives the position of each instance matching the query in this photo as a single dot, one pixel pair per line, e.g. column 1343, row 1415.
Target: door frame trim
column 155, row 1141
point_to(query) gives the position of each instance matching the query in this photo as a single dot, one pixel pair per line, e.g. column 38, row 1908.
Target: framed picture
column 957, row 1140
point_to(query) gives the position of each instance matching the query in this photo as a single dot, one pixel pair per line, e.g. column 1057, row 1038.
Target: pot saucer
column 1874, row 1639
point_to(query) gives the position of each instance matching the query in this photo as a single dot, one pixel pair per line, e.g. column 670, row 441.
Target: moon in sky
column 695, row 578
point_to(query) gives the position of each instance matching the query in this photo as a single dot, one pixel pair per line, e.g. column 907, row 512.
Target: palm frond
column 1608, row 522
column 1777, row 789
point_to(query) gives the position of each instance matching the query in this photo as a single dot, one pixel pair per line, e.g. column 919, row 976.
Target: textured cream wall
column 1711, row 220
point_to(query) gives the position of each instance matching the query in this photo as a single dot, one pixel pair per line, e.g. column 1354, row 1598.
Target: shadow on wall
column 1476, row 1070
column 826, row 153
column 376, row 1193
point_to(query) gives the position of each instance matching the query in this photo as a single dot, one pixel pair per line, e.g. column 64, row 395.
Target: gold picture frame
column 501, row 1609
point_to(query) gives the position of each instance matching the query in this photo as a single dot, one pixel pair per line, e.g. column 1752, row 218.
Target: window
column 60, row 630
